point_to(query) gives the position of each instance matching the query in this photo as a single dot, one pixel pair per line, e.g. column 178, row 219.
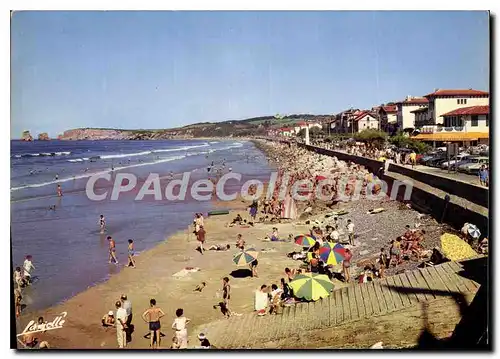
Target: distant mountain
column 232, row 128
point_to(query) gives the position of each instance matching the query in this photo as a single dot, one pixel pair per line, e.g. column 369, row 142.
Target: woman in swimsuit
column 112, row 249
column 131, row 261
column 152, row 316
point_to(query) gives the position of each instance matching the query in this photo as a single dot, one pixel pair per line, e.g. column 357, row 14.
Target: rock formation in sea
column 44, row 136
column 26, row 136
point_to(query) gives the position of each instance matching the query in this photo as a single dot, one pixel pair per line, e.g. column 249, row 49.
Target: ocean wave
column 79, row 159
column 87, row 175
column 43, row 154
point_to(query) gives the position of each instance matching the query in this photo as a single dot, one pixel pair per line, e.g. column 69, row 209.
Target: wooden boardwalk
column 344, row 305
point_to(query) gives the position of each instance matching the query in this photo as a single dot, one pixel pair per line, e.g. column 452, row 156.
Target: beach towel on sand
column 184, row 272
column 261, row 300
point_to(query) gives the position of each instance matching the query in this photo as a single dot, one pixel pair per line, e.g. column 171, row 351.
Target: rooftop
column 457, row 92
column 414, row 101
column 471, row 110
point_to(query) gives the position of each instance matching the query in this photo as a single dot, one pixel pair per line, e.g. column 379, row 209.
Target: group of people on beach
column 121, row 319
column 112, row 246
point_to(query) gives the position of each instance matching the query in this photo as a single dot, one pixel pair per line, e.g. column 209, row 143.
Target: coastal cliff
column 256, row 126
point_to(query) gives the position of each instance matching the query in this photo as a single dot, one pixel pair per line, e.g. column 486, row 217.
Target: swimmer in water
column 102, row 223
column 59, row 191
column 230, row 169
column 57, row 177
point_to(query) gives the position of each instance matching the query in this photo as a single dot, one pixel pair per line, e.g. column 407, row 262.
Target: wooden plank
column 288, row 322
column 380, row 297
column 366, row 300
column 398, row 302
column 241, row 325
column 325, row 313
column 345, row 304
column 387, row 295
column 300, row 315
column 359, row 301
column 434, row 283
column 340, row 306
column 405, row 300
column 437, row 278
column 415, row 285
column 283, row 323
column 423, row 284
column 451, row 285
column 373, row 298
column 455, row 276
column 249, row 339
column 470, row 284
column 333, row 309
column 352, row 303
column 412, row 297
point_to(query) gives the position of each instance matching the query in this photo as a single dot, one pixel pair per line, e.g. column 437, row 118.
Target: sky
column 166, row 69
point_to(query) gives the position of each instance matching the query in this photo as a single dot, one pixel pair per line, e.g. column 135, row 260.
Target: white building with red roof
column 444, row 101
column 405, row 116
column 366, row 120
column 388, row 116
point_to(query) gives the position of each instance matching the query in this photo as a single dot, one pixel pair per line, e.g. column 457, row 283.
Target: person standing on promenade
column 483, row 176
column 350, row 231
column 413, row 158
column 179, row 326
column 152, row 316
column 131, row 261
column 121, row 325
column 112, row 250
column 102, row 224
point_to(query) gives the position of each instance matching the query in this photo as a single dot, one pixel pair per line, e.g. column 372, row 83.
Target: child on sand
column 108, row 320
column 200, row 237
column 112, row 250
column 253, row 268
column 131, row 261
column 18, row 278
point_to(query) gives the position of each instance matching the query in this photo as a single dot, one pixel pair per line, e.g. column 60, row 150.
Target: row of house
column 294, row 129
column 440, row 116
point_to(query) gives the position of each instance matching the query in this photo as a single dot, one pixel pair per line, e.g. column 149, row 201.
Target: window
column 487, row 121
column 465, row 101
column 458, row 101
column 474, row 121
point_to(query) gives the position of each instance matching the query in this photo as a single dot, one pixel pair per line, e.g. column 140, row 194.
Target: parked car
column 473, row 168
column 460, row 157
column 428, row 156
column 474, row 164
column 463, row 161
column 435, row 160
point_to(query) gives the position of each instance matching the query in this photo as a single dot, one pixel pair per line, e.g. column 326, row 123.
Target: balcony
column 441, row 129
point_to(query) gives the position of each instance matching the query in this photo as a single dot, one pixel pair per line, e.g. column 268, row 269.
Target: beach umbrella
column 332, row 254
column 455, row 248
column 474, row 231
column 245, row 257
column 305, row 240
column 311, row 286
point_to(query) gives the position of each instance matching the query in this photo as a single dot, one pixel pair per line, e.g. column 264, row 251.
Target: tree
column 371, row 137
column 401, row 141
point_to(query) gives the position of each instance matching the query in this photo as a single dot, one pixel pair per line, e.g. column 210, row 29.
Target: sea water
column 68, row 251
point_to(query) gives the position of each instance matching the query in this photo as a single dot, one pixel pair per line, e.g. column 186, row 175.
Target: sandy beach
column 154, row 275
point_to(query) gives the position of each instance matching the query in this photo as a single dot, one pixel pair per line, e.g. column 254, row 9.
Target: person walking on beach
column 121, row 325
column 413, row 159
column 152, row 316
column 28, row 268
column 59, row 191
column 131, row 261
column 102, row 224
column 18, row 278
column 112, row 250
column 179, row 325
column 200, row 237
column 253, row 268
column 350, row 231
